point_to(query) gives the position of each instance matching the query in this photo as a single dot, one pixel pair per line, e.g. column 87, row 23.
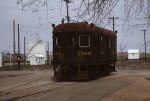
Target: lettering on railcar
column 85, row 53
column 58, row 53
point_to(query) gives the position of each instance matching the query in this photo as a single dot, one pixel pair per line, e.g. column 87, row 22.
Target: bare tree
column 137, row 7
column 98, row 11
column 122, row 47
column 98, row 8
column 32, row 4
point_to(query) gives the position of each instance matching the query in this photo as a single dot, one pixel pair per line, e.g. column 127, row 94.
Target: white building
column 133, row 54
column 36, row 52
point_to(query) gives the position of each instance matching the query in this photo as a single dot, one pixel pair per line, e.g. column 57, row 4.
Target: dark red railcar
column 83, row 51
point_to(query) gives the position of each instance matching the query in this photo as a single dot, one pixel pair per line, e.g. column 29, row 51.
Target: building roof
column 133, row 51
column 82, row 27
column 37, row 55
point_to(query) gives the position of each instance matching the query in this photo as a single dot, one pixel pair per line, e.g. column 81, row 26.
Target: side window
column 110, row 43
column 58, row 41
column 84, row 41
column 55, row 41
column 114, row 44
column 101, row 41
column 94, row 41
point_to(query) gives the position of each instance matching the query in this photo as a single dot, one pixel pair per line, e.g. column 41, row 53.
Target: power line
column 34, row 27
column 23, row 9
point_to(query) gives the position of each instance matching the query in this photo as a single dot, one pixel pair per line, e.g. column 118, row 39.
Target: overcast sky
column 32, row 22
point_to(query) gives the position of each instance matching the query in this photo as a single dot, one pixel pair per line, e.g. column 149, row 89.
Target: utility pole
column 18, row 57
column 68, row 18
column 113, row 18
column 14, row 43
column 48, row 52
column 145, row 45
column 24, row 51
column 9, row 57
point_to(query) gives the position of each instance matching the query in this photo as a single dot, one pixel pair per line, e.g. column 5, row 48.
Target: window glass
column 64, row 41
column 94, row 41
column 84, row 41
column 58, row 41
column 101, row 41
column 109, row 42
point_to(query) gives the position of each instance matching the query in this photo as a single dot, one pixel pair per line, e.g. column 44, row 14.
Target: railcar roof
column 82, row 27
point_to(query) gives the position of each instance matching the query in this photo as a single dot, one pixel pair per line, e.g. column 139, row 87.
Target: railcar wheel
column 106, row 69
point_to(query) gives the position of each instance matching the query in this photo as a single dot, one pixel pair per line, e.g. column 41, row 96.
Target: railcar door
column 102, row 48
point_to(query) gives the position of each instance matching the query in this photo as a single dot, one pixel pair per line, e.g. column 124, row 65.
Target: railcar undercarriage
column 82, row 71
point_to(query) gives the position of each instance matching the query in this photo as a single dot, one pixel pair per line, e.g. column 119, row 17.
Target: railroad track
column 15, row 93
column 6, row 91
column 13, row 75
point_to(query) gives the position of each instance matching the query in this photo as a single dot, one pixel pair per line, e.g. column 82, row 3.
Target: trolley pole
column 145, row 45
column 113, row 18
column 68, row 18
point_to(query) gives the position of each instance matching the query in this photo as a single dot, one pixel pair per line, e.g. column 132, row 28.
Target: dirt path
column 137, row 91
column 124, row 85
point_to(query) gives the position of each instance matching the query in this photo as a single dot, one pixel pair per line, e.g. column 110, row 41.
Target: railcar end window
column 71, row 41
column 84, row 41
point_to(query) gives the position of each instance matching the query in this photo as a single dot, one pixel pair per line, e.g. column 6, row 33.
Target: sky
column 36, row 23
column 30, row 22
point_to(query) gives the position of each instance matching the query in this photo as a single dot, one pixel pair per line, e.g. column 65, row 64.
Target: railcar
column 83, row 51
